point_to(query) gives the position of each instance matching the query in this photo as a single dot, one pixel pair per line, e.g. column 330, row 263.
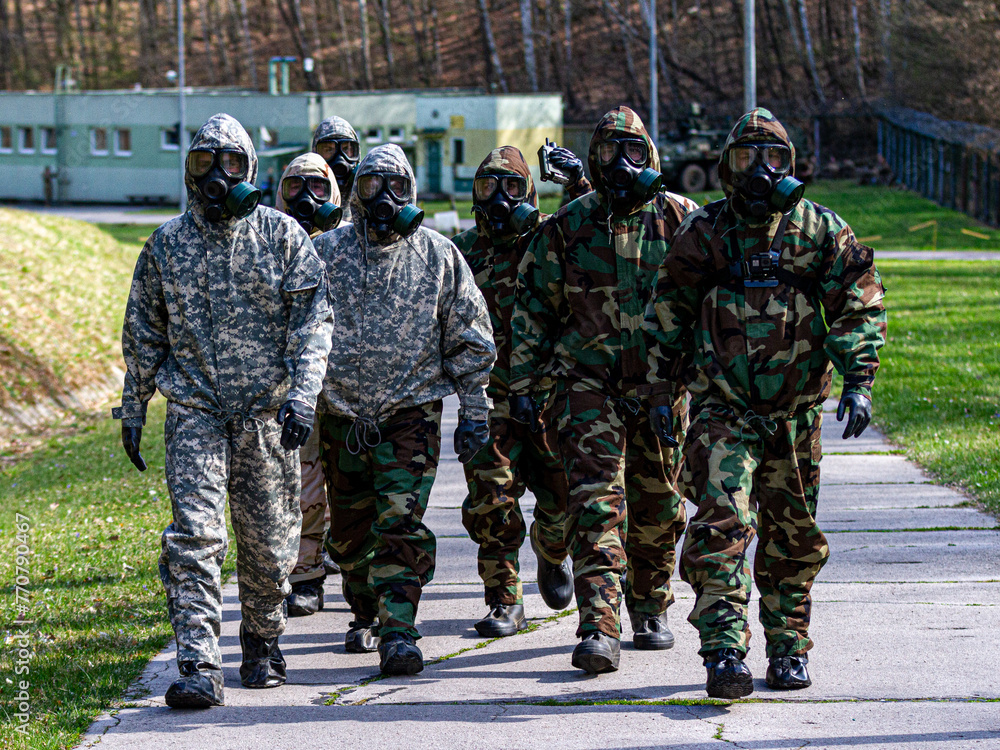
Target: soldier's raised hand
column 859, row 413
column 567, row 162
column 296, row 419
column 131, row 438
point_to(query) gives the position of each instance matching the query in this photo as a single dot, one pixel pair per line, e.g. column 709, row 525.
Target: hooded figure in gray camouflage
column 228, row 317
column 337, row 142
column 411, row 328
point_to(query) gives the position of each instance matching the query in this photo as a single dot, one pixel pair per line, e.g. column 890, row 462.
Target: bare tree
column 251, row 61
column 856, row 25
column 385, row 24
column 419, row 42
column 528, row 39
column 317, row 44
column 568, row 50
column 345, row 42
column 431, row 13
column 494, row 74
column 293, row 20
column 810, row 54
column 885, row 6
column 626, row 31
column 220, row 43
column 366, row 57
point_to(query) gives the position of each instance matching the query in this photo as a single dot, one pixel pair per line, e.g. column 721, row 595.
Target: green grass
column 96, row 601
column 938, row 391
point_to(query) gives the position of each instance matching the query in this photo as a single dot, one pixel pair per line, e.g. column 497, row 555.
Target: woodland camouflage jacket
column 411, row 326
column 232, row 316
column 765, row 349
column 494, row 262
column 584, row 282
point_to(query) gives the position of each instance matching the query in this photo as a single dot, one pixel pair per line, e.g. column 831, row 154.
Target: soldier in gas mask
column 761, row 295
column 581, row 293
column 308, row 193
column 518, row 457
column 411, row 328
column 337, row 142
column 228, row 317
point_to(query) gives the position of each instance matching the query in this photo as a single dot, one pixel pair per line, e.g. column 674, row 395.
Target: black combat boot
column 788, row 672
column 362, row 637
column 306, row 597
column 399, row 655
column 728, row 676
column 555, row 582
column 501, row 620
column 199, row 686
column 263, row 665
column 650, row 632
column 597, row 653
column 331, row 568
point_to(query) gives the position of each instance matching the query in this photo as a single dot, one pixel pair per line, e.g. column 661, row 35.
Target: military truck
column 689, row 157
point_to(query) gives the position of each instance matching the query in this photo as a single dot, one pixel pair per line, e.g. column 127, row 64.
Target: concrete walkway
column 906, row 620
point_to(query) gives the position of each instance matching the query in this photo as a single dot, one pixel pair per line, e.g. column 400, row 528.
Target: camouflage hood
column 756, row 126
column 333, row 127
column 618, row 123
column 307, row 165
column 388, row 159
column 507, row 160
column 221, row 131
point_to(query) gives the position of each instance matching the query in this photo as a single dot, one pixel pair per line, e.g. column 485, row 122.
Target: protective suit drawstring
column 628, row 403
column 766, row 423
column 361, row 432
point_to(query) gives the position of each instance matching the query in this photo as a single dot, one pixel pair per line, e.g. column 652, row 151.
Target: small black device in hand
column 548, row 172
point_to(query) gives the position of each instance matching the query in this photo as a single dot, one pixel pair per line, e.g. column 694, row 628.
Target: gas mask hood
column 221, row 169
column 505, row 202
column 626, row 161
column 308, row 192
column 384, row 195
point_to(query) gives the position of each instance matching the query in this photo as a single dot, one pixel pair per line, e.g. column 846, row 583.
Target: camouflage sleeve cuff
column 475, row 408
column 130, row 412
column 859, row 384
column 578, row 188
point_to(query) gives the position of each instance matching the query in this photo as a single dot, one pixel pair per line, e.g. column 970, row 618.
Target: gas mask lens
column 371, row 184
column 635, row 150
column 293, row 187
column 775, row 157
column 485, row 187
column 234, row 163
column 349, row 148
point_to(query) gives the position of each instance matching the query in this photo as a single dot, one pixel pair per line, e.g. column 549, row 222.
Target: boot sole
column 493, row 629
column 794, row 685
column 406, row 666
column 594, row 661
column 731, row 687
column 191, row 700
column 653, row 641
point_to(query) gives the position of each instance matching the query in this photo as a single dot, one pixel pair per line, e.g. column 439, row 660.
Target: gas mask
column 385, row 203
column 625, row 174
column 342, row 154
column 761, row 178
column 308, row 201
column 500, row 201
column 220, row 175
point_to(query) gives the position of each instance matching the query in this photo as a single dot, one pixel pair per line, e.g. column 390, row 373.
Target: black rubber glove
column 471, row 437
column 567, row 162
column 859, row 413
column 523, row 409
column 297, row 420
column 131, row 437
column 661, row 419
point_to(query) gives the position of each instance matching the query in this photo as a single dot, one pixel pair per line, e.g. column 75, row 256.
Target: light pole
column 749, row 57
column 181, row 131
column 654, row 101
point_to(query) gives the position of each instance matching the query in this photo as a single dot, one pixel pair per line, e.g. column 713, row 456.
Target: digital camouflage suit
column 336, row 127
column 515, row 458
column 757, row 362
column 411, row 328
column 228, row 320
column 581, row 294
column 315, row 508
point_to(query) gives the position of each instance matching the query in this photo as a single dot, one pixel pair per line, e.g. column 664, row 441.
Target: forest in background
column 814, row 56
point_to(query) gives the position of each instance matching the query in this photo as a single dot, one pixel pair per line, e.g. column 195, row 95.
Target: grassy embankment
column 96, row 602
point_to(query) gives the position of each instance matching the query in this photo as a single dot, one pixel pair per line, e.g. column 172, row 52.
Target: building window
column 397, row 135
column 26, row 140
column 6, row 139
column 123, row 142
column 99, row 141
column 170, row 139
column 458, row 151
column 373, row 135
column 49, row 142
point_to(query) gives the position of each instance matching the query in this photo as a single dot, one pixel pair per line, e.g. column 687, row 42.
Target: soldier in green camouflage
column 228, row 317
column 337, row 142
column 306, row 185
column 581, row 294
column 411, row 328
column 505, row 204
column 761, row 295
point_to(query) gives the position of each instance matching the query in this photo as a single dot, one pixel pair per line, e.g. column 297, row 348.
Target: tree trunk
column 856, row 25
column 792, row 30
column 419, row 42
column 251, row 61
column 435, row 36
column 885, row 6
column 345, row 43
column 317, row 46
column 528, row 39
column 385, row 24
column 494, row 73
column 221, row 48
column 810, row 54
column 568, row 51
column 366, row 57
column 6, row 48
column 625, row 31
column 293, row 20
column 784, row 80
column 547, row 68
